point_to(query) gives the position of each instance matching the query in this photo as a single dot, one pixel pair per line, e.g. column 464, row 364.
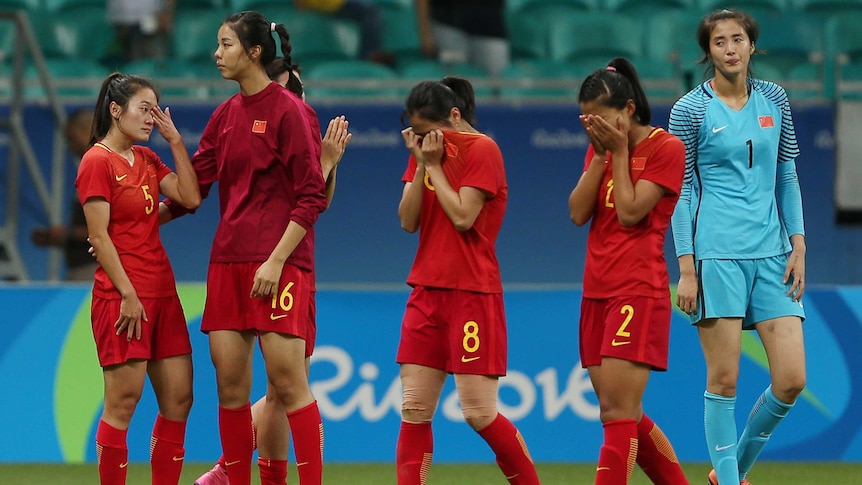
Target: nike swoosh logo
column 302, row 464
column 124, row 465
column 722, row 448
column 716, row 130
column 118, row 177
column 765, row 435
column 273, row 316
column 229, row 463
column 513, row 476
column 179, row 458
column 466, row 359
column 617, row 344
column 603, row 468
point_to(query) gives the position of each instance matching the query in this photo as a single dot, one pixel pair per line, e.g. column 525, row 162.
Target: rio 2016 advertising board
column 52, row 384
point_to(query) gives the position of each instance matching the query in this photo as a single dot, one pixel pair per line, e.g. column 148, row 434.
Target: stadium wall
column 52, row 388
column 359, row 239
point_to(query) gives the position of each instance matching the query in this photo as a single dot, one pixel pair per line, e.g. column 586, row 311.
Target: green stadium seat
column 521, row 6
column 757, row 8
column 31, row 5
column 793, row 46
column 395, row 3
column 671, row 37
column 647, row 7
column 71, row 78
column 659, row 80
column 527, row 24
column 195, row 33
column 805, row 81
column 843, row 40
column 60, row 5
column 595, row 35
column 180, row 5
column 826, row 9
column 80, row 32
column 528, row 32
column 355, row 80
column 172, row 77
column 400, row 35
column 317, row 38
column 539, row 81
column 261, row 6
column 423, row 70
column 7, row 41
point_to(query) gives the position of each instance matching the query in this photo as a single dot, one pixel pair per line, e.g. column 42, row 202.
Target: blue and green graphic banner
column 51, row 384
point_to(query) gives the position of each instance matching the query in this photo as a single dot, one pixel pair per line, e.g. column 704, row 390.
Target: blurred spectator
column 464, row 31
column 364, row 13
column 80, row 266
column 142, row 28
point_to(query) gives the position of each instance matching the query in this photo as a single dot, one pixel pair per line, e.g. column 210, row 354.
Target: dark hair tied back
column 118, row 88
column 253, row 29
column 614, row 86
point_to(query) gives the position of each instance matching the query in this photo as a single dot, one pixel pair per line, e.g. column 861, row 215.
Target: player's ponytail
column 286, row 56
column 614, row 86
column 465, row 97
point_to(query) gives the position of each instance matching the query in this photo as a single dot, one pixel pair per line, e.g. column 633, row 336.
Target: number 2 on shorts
column 629, row 312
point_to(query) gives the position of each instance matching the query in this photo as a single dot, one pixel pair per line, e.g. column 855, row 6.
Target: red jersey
column 133, row 192
column 314, row 126
column 465, row 260
column 624, row 261
column 261, row 150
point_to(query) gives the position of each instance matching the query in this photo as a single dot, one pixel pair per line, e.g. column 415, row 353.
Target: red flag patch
column 260, row 126
column 638, row 163
column 766, row 121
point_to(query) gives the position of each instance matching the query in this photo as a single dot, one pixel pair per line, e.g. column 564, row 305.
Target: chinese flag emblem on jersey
column 260, row 126
column 638, row 163
column 766, row 121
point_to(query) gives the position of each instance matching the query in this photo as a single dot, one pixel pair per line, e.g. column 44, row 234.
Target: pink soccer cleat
column 713, row 479
column 216, row 476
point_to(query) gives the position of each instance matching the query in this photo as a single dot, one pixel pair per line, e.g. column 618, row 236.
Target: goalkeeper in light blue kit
column 739, row 236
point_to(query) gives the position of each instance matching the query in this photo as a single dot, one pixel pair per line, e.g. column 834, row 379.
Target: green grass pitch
column 765, row 473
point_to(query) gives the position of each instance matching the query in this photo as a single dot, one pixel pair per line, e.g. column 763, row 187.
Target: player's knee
column 122, row 407
column 417, row 412
column 724, row 383
column 479, row 418
column 179, row 406
column 232, row 394
column 789, row 389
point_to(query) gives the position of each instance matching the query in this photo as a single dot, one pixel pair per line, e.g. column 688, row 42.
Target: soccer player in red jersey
column 138, row 322
column 272, row 430
column 455, row 195
column 259, row 147
column 631, row 181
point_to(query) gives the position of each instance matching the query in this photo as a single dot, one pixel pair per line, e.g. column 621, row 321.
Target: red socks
column 306, row 428
column 413, row 453
column 656, row 456
column 272, row 472
column 237, row 442
column 112, row 454
column 513, row 458
column 166, row 451
column 619, row 452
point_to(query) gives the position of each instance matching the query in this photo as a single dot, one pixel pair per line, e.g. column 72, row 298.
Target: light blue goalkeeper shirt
column 740, row 197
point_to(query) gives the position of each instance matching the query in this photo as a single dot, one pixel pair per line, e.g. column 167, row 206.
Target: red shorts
column 289, row 311
column 461, row 332
column 632, row 328
column 164, row 333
